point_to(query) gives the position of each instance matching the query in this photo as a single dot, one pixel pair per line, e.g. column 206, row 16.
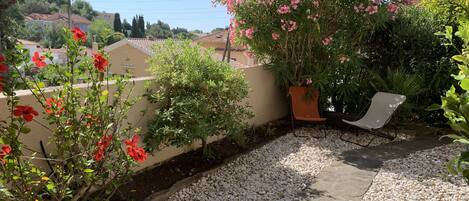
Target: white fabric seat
column 383, row 105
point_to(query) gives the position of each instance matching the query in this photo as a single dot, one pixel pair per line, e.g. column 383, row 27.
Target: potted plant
column 303, row 41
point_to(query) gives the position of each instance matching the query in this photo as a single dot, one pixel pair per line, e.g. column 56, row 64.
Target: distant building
column 129, row 56
column 59, row 55
column 108, row 17
column 217, row 41
column 56, row 18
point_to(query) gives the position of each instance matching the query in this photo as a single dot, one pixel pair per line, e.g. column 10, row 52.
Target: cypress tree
column 117, row 23
column 135, row 29
column 141, row 26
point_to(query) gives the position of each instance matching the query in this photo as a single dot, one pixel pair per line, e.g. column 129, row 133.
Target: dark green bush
column 198, row 97
column 408, row 45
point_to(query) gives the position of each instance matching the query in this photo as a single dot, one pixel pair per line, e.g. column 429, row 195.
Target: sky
column 189, row 14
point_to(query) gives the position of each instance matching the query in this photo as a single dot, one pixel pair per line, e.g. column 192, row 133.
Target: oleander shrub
column 198, row 97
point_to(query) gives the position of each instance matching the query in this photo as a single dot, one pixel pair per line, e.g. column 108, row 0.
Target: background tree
column 197, row 31
column 159, row 30
column 126, row 28
column 83, row 8
column 182, row 33
column 36, row 6
column 103, row 33
column 218, row 30
column 141, row 26
column 10, row 23
column 449, row 10
column 117, row 23
column 134, row 33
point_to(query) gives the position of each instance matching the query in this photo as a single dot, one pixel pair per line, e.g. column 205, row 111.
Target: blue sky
column 190, row 14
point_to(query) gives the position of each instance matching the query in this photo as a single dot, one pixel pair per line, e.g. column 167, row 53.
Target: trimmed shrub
column 198, row 97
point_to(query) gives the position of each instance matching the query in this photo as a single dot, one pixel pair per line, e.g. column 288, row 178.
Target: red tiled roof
column 57, row 17
column 218, row 37
column 145, row 43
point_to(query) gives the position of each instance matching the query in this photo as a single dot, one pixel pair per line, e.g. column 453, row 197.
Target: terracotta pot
column 305, row 108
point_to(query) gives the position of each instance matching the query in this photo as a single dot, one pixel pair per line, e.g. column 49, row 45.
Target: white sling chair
column 383, row 105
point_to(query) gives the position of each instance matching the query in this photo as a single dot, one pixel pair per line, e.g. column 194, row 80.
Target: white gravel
column 279, row 170
column 420, row 176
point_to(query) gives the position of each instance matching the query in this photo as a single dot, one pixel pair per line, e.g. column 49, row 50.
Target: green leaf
column 433, row 107
column 50, row 186
column 460, row 58
column 465, row 84
column 88, row 170
column 25, row 130
column 41, row 85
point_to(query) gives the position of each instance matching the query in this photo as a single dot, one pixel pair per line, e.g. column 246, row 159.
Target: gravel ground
column 420, row 176
column 279, row 170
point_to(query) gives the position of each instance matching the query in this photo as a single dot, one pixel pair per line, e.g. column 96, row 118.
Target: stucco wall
column 127, row 56
column 267, row 103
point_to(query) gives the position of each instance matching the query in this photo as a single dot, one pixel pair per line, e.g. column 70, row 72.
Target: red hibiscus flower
column 39, row 60
column 6, row 149
column 99, row 155
column 102, row 145
column 54, row 105
column 78, row 35
column 137, row 153
column 1, row 84
column 3, row 66
column 100, row 62
column 27, row 112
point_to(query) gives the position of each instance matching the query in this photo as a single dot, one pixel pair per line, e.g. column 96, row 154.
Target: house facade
column 129, row 56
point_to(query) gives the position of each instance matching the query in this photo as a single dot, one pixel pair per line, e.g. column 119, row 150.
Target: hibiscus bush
column 94, row 148
column 198, row 96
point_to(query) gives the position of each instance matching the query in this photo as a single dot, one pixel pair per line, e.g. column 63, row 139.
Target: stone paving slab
column 350, row 178
column 342, row 182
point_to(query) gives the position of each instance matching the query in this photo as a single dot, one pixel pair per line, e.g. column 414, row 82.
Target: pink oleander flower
column 316, row 4
column 233, row 26
column 327, row 41
column 230, row 6
column 275, row 36
column 289, row 25
column 392, row 8
column 249, row 33
column 372, row 9
column 268, row 2
column 284, row 9
column 377, row 2
column 309, row 81
column 294, row 3
column 314, row 17
column 344, row 59
column 359, row 8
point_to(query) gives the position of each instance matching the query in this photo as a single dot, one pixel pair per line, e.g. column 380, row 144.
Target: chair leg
column 356, row 143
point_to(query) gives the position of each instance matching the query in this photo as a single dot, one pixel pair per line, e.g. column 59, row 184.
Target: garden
column 353, row 100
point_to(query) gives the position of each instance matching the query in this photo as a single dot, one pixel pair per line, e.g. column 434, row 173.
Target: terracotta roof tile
column 218, row 37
